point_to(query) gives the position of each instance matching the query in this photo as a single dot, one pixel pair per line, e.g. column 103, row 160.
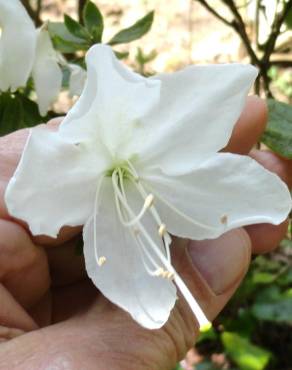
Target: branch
column 35, row 15
column 28, row 8
column 281, row 63
column 213, row 11
column 81, row 4
column 276, row 26
column 239, row 26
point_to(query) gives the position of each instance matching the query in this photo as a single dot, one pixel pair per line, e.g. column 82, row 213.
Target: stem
column 275, row 31
column 81, row 4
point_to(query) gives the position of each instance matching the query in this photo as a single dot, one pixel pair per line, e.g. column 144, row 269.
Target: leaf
column 11, row 114
column 64, row 41
column 278, row 135
column 279, row 311
column 93, row 21
column 59, row 29
column 31, row 116
column 288, row 19
column 245, row 354
column 75, row 28
column 121, row 54
column 136, row 31
column 68, row 47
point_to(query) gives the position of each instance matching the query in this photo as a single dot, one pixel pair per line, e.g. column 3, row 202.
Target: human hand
column 57, row 318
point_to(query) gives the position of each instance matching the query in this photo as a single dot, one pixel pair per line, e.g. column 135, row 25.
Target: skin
column 52, row 317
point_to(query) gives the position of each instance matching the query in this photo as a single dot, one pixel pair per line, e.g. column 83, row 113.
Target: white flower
column 77, row 79
column 17, row 45
column 136, row 160
column 24, row 51
column 46, row 72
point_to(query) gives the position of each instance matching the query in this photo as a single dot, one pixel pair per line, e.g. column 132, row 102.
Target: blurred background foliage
column 254, row 330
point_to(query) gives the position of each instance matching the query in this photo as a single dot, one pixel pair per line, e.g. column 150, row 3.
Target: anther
column 136, row 230
column 149, row 201
column 170, row 275
column 159, row 272
column 162, row 230
column 224, row 219
column 101, row 261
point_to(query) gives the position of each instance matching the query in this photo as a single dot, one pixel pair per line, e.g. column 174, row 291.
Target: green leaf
column 75, row 28
column 206, row 365
column 59, row 29
column 121, row 54
column 11, row 114
column 64, row 41
column 31, row 116
column 245, row 354
column 288, row 19
column 93, row 21
column 68, row 47
column 134, row 32
column 279, row 311
column 278, row 135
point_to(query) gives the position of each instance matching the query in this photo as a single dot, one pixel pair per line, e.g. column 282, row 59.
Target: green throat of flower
column 155, row 255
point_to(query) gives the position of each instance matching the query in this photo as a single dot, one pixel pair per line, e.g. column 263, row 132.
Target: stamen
column 182, row 215
column 101, row 261
column 168, row 270
column 162, row 230
column 224, row 219
column 149, row 201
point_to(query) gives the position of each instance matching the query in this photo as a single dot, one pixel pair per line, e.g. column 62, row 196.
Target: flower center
column 155, row 256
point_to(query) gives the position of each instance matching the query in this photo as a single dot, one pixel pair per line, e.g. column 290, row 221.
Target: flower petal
column 113, row 100
column 54, row 184
column 198, row 109
column 77, row 79
column 17, row 45
column 123, row 278
column 225, row 192
column 46, row 72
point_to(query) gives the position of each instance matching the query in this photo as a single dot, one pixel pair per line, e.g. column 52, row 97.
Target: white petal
column 54, row 184
column 198, row 109
column 225, row 192
column 113, row 100
column 77, row 79
column 17, row 45
column 46, row 72
column 123, row 278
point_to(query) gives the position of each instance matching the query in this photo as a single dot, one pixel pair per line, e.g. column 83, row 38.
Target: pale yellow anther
column 224, row 219
column 162, row 230
column 170, row 275
column 101, row 261
column 136, row 231
column 149, row 201
column 159, row 272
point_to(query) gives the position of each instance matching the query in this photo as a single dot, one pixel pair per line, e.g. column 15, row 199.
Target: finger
column 266, row 237
column 12, row 315
column 23, row 266
column 281, row 166
column 213, row 269
column 11, row 147
column 249, row 127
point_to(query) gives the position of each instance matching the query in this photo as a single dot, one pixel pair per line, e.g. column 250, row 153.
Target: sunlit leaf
column 75, row 28
column 245, row 354
column 278, row 135
column 93, row 21
column 137, row 30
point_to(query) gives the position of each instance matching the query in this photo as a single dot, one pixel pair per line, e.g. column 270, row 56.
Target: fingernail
column 221, row 262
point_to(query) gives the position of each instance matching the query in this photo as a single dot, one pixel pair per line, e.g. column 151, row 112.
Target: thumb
column 213, row 269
